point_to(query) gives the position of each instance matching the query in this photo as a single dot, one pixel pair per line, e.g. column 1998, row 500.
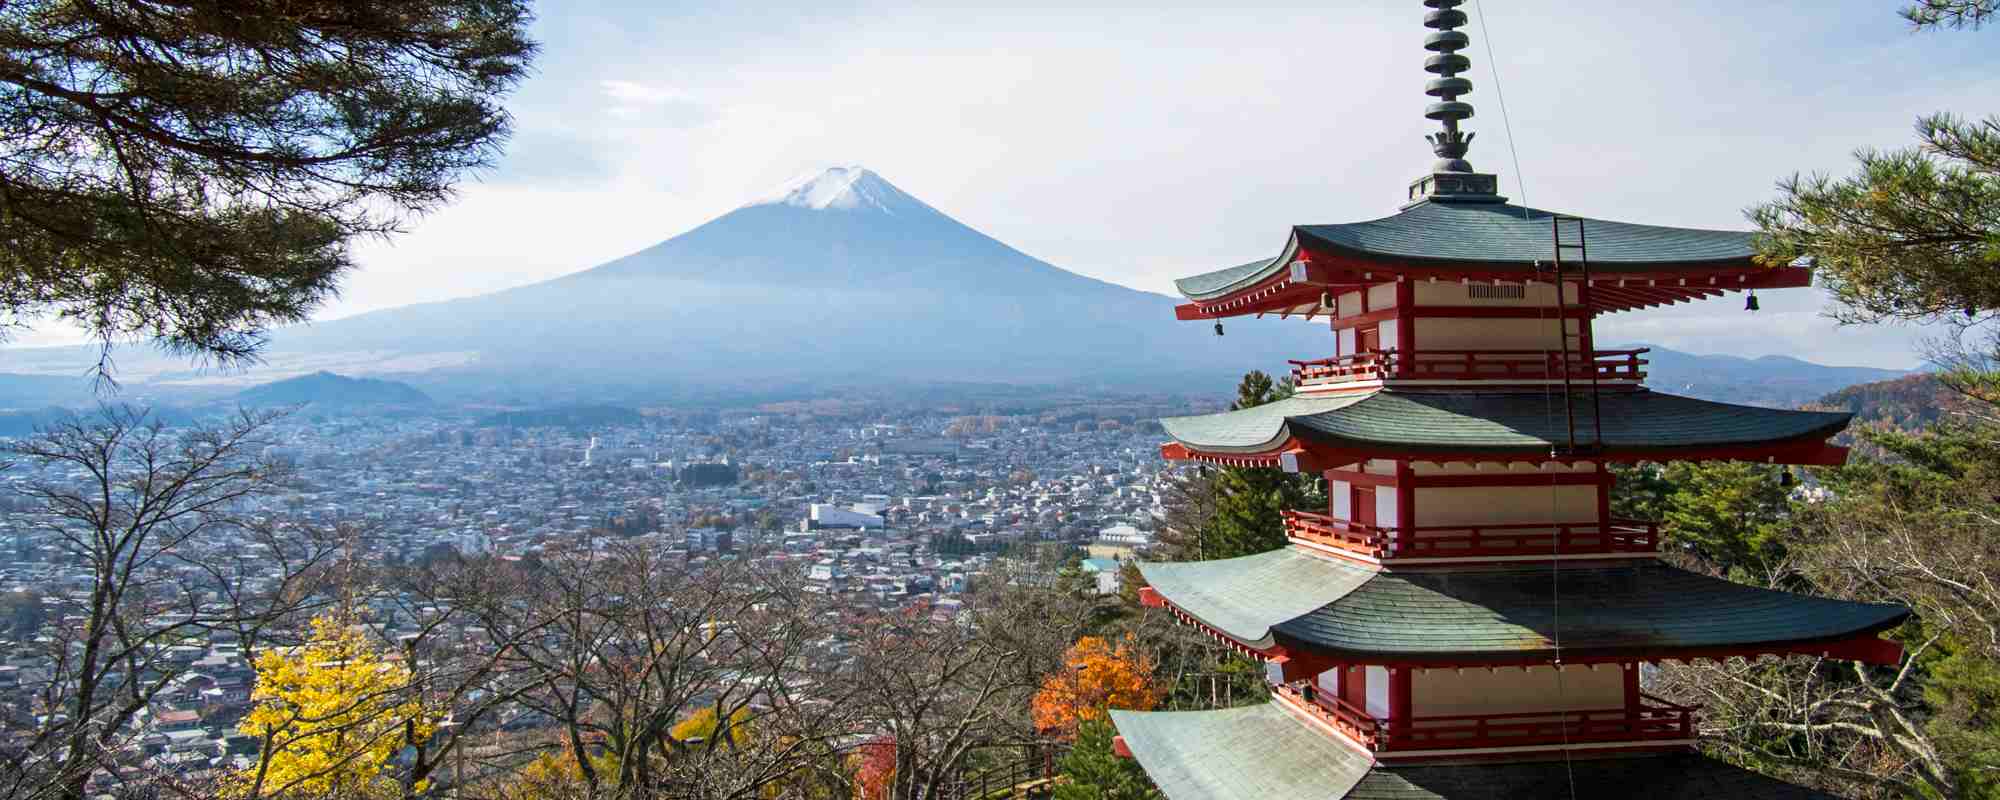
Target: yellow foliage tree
column 329, row 715
column 1095, row 677
column 555, row 776
column 702, row 724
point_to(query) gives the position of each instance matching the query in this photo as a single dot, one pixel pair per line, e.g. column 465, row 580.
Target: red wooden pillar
column 1632, row 696
column 1406, row 506
column 1327, row 478
column 1400, row 709
column 1604, row 481
column 1406, row 327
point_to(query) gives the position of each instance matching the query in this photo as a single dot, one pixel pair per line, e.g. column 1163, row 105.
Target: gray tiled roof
column 1502, row 614
column 1264, row 753
column 1490, row 235
column 1258, row 752
column 1676, row 776
column 1496, row 614
column 1415, row 422
column 1244, row 597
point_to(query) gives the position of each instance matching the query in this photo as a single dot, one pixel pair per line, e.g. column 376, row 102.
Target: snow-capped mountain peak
column 850, row 188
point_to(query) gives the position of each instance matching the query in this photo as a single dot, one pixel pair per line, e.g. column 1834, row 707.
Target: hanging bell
column 1326, row 301
column 1750, row 304
column 1218, row 329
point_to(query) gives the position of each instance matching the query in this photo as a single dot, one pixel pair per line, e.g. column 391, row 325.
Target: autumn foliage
column 1095, row 677
column 875, row 776
column 329, row 716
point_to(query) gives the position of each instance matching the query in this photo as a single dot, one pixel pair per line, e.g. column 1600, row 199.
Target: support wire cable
column 1562, row 329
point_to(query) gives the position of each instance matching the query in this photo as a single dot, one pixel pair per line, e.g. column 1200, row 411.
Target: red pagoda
column 1467, row 618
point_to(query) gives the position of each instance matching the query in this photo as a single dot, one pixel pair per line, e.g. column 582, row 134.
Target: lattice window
column 1505, row 291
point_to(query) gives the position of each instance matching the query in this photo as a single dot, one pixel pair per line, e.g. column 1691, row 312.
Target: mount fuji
column 838, row 278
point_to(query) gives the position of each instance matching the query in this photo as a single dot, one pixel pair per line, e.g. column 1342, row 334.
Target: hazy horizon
column 1140, row 148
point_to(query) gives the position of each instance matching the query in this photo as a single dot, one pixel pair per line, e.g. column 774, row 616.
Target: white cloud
column 1140, row 143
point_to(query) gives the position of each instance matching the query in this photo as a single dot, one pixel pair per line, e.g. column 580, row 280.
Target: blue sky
column 1140, row 142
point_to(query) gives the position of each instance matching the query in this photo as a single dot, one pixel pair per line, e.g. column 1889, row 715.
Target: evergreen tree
column 1915, row 233
column 1732, row 514
column 1238, row 511
column 193, row 172
column 1093, row 771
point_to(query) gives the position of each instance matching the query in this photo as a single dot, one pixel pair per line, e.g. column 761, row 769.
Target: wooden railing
column 1325, row 530
column 1483, row 365
column 1347, row 719
column 1652, row 719
column 1449, row 541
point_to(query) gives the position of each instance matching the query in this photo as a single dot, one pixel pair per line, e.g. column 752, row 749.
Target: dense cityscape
column 882, row 511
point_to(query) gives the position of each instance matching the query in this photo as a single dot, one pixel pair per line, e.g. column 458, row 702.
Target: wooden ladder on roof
column 1572, row 254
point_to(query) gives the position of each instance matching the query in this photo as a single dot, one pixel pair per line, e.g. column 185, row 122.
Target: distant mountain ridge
column 1909, row 403
column 323, row 390
column 1773, row 381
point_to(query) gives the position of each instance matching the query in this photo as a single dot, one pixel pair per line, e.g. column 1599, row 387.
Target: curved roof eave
column 1499, row 423
column 1489, row 237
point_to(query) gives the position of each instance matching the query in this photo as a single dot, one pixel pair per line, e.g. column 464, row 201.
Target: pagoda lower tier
column 1276, row 750
column 1311, row 433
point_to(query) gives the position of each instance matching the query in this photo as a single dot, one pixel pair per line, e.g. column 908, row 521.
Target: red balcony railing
column 1652, row 719
column 1321, row 529
column 1485, row 365
column 1333, row 711
column 1470, row 541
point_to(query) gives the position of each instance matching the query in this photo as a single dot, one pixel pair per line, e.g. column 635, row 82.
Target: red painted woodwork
column 1400, row 705
column 1363, row 537
column 1149, row 597
column 1362, row 508
column 1337, row 712
column 1354, row 687
column 1371, row 363
column 1119, row 748
column 1647, row 719
column 1497, row 312
column 1880, row 652
column 1808, row 452
column 1330, row 271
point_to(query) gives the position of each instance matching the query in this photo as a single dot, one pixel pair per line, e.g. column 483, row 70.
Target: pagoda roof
column 1521, row 423
column 1262, row 752
column 1500, row 615
column 1256, row 752
column 1494, row 237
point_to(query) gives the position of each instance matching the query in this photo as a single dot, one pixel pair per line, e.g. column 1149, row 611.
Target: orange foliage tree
column 1095, row 677
column 875, row 775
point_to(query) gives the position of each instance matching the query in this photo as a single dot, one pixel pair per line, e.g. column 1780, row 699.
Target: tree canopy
column 191, row 173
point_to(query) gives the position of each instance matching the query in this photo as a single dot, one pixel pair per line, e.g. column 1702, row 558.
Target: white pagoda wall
column 1455, row 333
column 1509, row 690
column 1505, row 505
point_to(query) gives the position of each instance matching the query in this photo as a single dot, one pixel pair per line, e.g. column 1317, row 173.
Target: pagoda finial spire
column 1452, row 144
column 1451, row 178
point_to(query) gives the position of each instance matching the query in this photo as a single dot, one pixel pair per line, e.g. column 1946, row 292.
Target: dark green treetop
column 191, row 173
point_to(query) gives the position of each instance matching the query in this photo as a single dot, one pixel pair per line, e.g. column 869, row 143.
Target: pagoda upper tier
column 1631, row 266
column 1311, row 433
